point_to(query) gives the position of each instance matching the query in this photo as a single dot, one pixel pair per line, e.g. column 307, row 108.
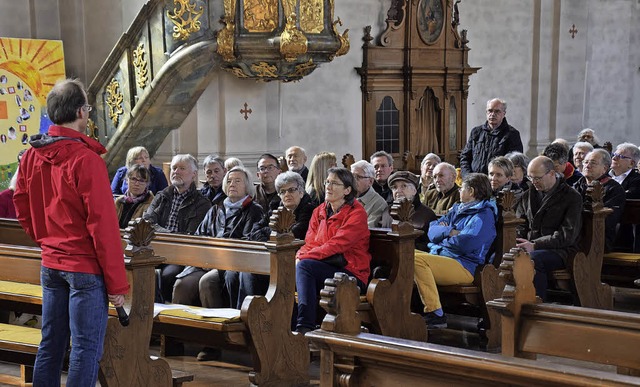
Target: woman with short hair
column 337, row 241
column 520, row 163
column 138, row 155
column 460, row 242
column 137, row 198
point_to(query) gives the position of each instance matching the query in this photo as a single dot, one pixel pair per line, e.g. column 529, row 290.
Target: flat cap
column 404, row 175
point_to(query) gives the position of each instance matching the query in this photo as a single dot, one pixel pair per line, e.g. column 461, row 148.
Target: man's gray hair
column 250, row 188
column 606, row 157
column 366, row 166
column 630, row 148
column 430, row 156
column 502, row 102
column 212, row 159
column 582, row 145
column 304, row 152
column 290, row 177
column 382, row 154
column 185, row 157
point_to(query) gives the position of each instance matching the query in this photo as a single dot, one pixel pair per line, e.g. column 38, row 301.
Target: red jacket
column 345, row 232
column 63, row 201
column 7, row 209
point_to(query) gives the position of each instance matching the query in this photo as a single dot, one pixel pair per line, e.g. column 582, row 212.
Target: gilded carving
column 92, row 129
column 237, row 71
column 141, row 66
column 293, row 43
column 303, row 69
column 312, row 16
column 114, row 101
column 260, row 15
column 226, row 41
column 185, row 18
column 264, row 70
column 344, row 38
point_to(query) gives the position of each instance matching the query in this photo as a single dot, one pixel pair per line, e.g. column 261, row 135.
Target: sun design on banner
column 28, row 70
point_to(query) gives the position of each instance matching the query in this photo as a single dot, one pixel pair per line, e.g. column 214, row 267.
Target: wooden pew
column 530, row 327
column 622, row 268
column 126, row 360
column 351, row 358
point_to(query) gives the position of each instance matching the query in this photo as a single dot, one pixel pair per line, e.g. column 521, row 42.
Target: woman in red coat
column 337, row 241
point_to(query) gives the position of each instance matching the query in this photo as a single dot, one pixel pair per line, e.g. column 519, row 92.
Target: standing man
column 296, row 158
column 383, row 165
column 64, row 203
column 374, row 205
column 494, row 138
column 266, row 195
column 553, row 214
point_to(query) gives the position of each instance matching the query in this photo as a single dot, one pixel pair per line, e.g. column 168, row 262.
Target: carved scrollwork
column 139, row 235
column 312, row 16
column 92, row 129
column 594, row 196
column 260, row 15
column 344, row 38
column 264, row 70
column 114, row 101
column 282, row 220
column 141, row 66
column 237, row 71
column 302, row 70
column 226, row 40
column 293, row 42
column 507, row 201
column 348, row 160
column 185, row 18
column 402, row 211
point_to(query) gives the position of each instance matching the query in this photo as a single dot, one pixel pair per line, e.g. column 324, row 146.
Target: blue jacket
column 477, row 226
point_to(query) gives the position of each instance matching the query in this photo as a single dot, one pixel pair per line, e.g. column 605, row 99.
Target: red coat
column 7, row 209
column 346, row 232
column 64, row 202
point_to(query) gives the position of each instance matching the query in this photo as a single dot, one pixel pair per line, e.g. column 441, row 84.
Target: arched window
column 388, row 126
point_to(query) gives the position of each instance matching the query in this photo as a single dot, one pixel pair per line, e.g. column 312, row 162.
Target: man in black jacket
column 494, row 138
column 623, row 162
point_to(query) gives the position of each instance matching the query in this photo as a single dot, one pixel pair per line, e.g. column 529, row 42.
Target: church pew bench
column 530, row 327
column 125, row 360
column 352, row 358
column 622, row 268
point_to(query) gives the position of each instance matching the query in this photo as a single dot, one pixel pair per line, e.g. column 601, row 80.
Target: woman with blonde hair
column 318, row 172
column 138, row 155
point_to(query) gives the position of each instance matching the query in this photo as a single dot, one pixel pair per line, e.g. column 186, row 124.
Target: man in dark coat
column 623, row 164
column 553, row 214
column 494, row 138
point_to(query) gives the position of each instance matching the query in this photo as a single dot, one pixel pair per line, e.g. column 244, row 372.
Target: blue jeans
column 310, row 276
column 240, row 285
column 73, row 305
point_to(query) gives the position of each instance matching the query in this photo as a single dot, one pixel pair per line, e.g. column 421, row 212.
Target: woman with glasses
column 137, row 197
column 460, row 241
column 138, row 155
column 293, row 198
column 337, row 241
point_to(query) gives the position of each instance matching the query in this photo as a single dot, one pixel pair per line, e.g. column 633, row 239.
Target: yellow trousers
column 432, row 270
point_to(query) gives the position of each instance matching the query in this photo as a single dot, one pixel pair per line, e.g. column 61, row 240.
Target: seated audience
column 460, row 242
column 427, row 165
column 7, row 208
column 137, row 199
column 560, row 157
column 318, row 175
column 178, row 208
column 520, row 163
column 296, row 158
column 553, row 217
column 500, row 172
column 623, row 162
column 404, row 185
column 337, row 241
column 595, row 166
column 232, row 162
column 293, row 198
column 373, row 204
column 214, row 171
column 138, row 155
column 236, row 217
column 444, row 192
column 579, row 150
column 383, row 164
column 266, row 195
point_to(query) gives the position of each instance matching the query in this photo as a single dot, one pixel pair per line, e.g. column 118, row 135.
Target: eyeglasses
column 619, row 156
column 267, row 168
column 536, row 179
column 88, row 108
column 333, row 184
column 137, row 181
column 291, row 190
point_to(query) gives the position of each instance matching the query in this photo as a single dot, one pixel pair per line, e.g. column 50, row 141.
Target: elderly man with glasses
column 266, row 194
column 553, row 214
column 374, row 205
column 623, row 165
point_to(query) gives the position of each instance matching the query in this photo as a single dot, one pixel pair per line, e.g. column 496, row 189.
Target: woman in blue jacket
column 460, row 241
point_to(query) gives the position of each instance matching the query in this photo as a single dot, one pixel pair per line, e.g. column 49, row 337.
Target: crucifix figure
column 246, row 111
column 573, row 31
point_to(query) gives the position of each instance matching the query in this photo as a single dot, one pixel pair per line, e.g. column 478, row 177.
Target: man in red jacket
column 64, row 203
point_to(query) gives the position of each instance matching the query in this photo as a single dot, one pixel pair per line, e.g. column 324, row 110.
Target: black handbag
column 337, row 260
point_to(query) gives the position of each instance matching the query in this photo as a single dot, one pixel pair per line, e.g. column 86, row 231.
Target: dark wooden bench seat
column 126, row 359
column 622, row 268
column 352, row 358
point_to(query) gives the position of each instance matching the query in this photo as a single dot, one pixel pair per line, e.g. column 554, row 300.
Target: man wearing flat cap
column 404, row 185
